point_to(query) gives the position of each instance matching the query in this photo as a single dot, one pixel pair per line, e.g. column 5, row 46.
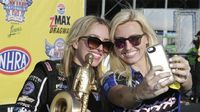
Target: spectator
column 196, row 69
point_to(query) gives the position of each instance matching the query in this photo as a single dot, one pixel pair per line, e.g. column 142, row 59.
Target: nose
column 128, row 45
column 100, row 48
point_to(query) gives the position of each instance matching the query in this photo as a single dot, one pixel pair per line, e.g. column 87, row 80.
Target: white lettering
column 10, row 109
column 17, row 60
column 23, row 61
column 10, row 57
column 12, row 61
column 2, row 62
column 26, row 98
column 157, row 106
column 170, row 102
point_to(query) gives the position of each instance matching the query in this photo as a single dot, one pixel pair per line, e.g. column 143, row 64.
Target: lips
column 97, row 55
column 129, row 54
column 97, row 58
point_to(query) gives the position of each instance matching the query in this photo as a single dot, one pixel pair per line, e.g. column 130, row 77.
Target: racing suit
column 43, row 84
column 166, row 102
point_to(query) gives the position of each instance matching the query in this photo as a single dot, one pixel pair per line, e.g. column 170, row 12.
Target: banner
column 31, row 31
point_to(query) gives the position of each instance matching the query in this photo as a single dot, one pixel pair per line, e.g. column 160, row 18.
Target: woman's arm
column 130, row 97
column 123, row 96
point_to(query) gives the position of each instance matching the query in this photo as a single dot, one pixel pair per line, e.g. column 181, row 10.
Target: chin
column 131, row 61
column 94, row 64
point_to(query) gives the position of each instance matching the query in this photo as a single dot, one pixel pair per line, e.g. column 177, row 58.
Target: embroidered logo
column 28, row 88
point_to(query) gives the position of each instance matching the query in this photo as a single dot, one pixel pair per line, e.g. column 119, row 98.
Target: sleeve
column 108, row 83
column 33, row 95
column 111, row 81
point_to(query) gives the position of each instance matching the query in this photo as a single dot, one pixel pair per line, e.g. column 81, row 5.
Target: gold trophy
column 77, row 99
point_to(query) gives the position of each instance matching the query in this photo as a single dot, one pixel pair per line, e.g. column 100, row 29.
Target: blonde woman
column 88, row 34
column 131, row 85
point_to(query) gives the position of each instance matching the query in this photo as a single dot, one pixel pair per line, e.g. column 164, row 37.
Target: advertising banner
column 31, row 31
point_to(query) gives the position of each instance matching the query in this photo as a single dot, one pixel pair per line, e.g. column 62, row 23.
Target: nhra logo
column 14, row 60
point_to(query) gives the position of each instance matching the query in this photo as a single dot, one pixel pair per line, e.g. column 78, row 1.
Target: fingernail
column 171, row 65
column 173, row 70
column 170, row 59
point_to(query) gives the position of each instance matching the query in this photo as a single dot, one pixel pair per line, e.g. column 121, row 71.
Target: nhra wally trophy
column 77, row 99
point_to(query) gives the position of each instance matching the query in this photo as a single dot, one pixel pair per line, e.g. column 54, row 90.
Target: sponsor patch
column 26, row 99
column 61, row 78
column 48, row 66
column 28, row 88
column 20, row 109
column 35, row 79
column 24, row 104
column 61, row 86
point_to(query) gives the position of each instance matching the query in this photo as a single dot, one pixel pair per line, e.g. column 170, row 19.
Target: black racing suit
column 42, row 85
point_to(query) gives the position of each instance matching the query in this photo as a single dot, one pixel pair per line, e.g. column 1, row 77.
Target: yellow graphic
column 29, row 24
column 175, row 85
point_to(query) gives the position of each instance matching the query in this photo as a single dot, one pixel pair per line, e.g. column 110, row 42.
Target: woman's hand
column 154, row 83
column 181, row 70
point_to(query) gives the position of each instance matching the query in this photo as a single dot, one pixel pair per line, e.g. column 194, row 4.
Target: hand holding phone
column 157, row 56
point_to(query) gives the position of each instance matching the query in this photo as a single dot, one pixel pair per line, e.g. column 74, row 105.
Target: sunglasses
column 135, row 40
column 94, row 42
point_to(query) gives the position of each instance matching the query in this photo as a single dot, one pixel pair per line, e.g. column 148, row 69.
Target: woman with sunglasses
column 88, row 34
column 131, row 85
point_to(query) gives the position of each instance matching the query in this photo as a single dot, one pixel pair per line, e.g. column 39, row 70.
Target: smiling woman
column 133, row 84
column 88, row 35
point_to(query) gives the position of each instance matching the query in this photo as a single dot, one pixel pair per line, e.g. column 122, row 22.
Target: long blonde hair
column 79, row 28
column 118, row 65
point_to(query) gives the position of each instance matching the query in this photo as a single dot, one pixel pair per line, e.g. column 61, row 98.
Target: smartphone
column 157, row 56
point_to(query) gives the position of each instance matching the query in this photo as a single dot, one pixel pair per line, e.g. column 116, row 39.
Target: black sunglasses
column 94, row 42
column 135, row 40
